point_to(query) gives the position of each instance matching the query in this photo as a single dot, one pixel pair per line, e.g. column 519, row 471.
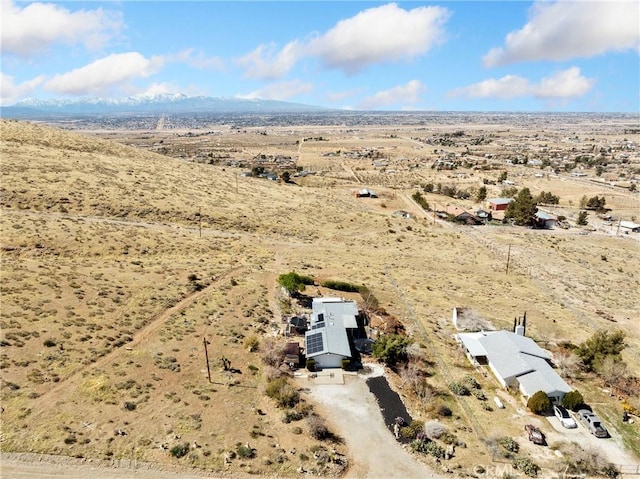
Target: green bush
column 49, row 343
column 391, row 349
column 527, row 466
column 282, row 392
column 245, row 451
column 539, row 403
column 179, row 450
column 435, row 450
column 341, row 286
column 471, row 382
column 459, row 389
column 573, row 400
column 311, row 364
column 509, row 444
column 294, row 282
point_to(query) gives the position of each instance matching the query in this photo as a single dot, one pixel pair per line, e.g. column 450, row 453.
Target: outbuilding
column 499, row 204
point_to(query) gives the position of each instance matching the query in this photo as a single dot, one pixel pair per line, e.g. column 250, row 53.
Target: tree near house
column 601, row 345
column 582, row 219
column 539, row 403
column 547, row 198
column 522, row 209
column 481, row 194
column 294, row 282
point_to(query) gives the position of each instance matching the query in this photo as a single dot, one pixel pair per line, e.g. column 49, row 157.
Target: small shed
column 499, row 204
column 629, row 227
column 545, row 220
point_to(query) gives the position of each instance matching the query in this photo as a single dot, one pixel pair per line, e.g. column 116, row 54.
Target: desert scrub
column 282, row 392
column 459, row 389
column 245, row 451
column 508, row 444
column 179, row 450
column 527, row 466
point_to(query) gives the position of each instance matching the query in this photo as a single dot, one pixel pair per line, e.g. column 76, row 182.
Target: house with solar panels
column 331, row 333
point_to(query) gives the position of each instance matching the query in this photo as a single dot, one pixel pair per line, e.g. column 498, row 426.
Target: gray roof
column 542, row 379
column 499, row 201
column 337, row 315
column 512, row 355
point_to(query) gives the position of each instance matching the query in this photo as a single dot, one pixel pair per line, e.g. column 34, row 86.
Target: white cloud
column 569, row 29
column 266, row 64
column 381, row 34
column 402, row 94
column 36, row 26
column 565, row 84
column 280, row 91
column 99, row 77
column 10, row 92
column 197, row 59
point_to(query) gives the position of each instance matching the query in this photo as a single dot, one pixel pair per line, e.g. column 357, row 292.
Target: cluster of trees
column 594, row 203
column 522, row 209
column 547, row 198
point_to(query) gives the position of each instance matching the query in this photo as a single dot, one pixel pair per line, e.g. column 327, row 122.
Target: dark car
column 535, row 435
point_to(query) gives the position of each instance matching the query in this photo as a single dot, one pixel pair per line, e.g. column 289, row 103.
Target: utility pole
column 200, row 220
column 206, row 355
column 508, row 258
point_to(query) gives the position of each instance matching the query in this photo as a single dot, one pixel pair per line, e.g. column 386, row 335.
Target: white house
column 327, row 340
column 515, row 360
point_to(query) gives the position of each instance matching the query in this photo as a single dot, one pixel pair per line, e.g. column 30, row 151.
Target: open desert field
column 127, row 254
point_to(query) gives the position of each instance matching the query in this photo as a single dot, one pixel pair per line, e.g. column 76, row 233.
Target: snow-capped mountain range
column 155, row 103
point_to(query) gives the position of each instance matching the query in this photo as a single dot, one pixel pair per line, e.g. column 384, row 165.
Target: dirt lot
column 117, row 264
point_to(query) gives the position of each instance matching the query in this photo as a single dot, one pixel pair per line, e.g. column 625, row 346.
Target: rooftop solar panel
column 315, row 343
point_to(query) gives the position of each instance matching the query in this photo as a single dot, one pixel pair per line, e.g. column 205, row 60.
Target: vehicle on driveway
column 593, row 423
column 564, row 417
column 535, row 435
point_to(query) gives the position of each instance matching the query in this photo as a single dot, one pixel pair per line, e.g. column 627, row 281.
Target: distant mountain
column 164, row 103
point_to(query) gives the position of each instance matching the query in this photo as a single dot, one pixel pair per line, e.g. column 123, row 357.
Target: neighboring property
column 545, row 220
column 499, row 204
column 516, row 361
column 629, row 227
column 467, row 218
column 333, row 328
column 402, row 214
column 484, row 215
column 365, row 193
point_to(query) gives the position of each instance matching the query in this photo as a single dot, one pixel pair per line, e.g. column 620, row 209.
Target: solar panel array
column 318, row 325
column 315, row 343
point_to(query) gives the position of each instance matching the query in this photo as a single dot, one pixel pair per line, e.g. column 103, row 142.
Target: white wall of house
column 328, row 360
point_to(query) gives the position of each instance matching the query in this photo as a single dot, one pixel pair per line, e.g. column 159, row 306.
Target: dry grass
column 101, row 244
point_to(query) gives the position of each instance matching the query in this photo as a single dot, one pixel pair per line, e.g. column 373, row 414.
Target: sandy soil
column 357, row 419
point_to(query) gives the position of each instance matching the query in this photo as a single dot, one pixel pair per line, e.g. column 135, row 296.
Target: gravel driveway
column 353, row 414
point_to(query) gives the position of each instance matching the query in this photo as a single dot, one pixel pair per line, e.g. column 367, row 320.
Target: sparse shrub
column 527, row 466
column 129, row 406
column 459, row 389
column 283, row 392
column 252, row 343
column 273, row 352
column 444, row 410
column 509, row 444
column 539, row 403
column 435, row 450
column 471, row 382
column 297, row 430
column 434, row 429
column 479, row 394
column 49, row 343
column 311, row 364
column 70, row 439
column 573, row 400
column 244, row 451
column 346, row 363
column 411, row 431
column 179, row 450
column 317, row 427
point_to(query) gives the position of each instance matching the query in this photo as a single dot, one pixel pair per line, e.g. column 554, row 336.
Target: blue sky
column 440, row 56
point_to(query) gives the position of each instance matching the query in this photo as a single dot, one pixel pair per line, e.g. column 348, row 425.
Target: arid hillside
column 117, row 264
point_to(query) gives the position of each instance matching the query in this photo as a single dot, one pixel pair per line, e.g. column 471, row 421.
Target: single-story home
column 328, row 340
column 629, row 226
column 499, row 204
column 515, row 360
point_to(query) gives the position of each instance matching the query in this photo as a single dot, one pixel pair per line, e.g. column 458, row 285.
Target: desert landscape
column 143, row 320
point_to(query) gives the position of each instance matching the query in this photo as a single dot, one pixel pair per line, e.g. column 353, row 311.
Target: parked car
column 564, row 417
column 593, row 423
column 535, row 435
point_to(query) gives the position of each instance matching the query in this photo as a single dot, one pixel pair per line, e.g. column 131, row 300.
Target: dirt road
column 354, row 413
